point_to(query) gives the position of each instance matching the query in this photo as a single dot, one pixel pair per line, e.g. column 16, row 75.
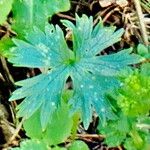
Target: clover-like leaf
column 35, row 13
column 32, row 145
column 5, row 7
column 92, row 74
column 80, row 145
column 58, row 129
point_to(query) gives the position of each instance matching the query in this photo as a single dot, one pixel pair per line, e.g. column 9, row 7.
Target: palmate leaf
column 92, row 74
column 29, row 13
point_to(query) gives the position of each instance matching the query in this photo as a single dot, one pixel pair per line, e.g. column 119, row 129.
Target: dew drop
column 106, row 80
column 81, row 86
column 48, row 58
column 96, row 99
column 91, row 87
column 79, row 28
column 52, row 103
column 121, row 84
column 102, row 109
column 95, row 93
column 47, row 89
column 58, row 37
column 93, row 78
column 43, row 54
column 43, row 47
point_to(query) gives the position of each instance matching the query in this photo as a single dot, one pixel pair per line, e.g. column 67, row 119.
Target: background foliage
column 81, row 81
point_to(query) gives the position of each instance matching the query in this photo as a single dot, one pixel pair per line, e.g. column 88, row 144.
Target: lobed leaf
column 92, row 74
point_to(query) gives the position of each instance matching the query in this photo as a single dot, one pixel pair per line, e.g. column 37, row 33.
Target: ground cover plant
column 86, row 86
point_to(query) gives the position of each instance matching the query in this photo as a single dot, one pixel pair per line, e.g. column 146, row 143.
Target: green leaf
column 145, row 69
column 144, row 50
column 5, row 7
column 134, row 95
column 92, row 74
column 78, row 145
column 67, row 94
column 29, row 13
column 31, row 145
column 5, row 45
column 76, row 121
column 129, row 145
column 116, row 131
column 59, row 148
column 58, row 129
column 88, row 44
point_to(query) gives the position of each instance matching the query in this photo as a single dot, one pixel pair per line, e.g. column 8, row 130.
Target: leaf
column 29, row 13
column 88, row 44
column 131, row 100
column 5, row 7
column 129, row 145
column 58, row 129
column 143, row 50
column 31, row 145
column 59, row 148
column 76, row 121
column 134, row 95
column 116, row 131
column 92, row 74
column 145, row 69
column 5, row 45
column 78, row 145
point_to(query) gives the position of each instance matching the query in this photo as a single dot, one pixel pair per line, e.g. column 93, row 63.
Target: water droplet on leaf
column 81, row 86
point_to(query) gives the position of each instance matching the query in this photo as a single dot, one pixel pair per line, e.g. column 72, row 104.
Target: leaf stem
column 96, row 136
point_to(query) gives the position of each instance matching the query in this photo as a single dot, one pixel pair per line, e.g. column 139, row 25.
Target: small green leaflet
column 92, row 74
column 31, row 145
column 133, row 96
column 116, row 131
column 5, row 7
column 132, row 105
column 78, row 145
column 29, row 13
column 143, row 50
column 35, row 145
